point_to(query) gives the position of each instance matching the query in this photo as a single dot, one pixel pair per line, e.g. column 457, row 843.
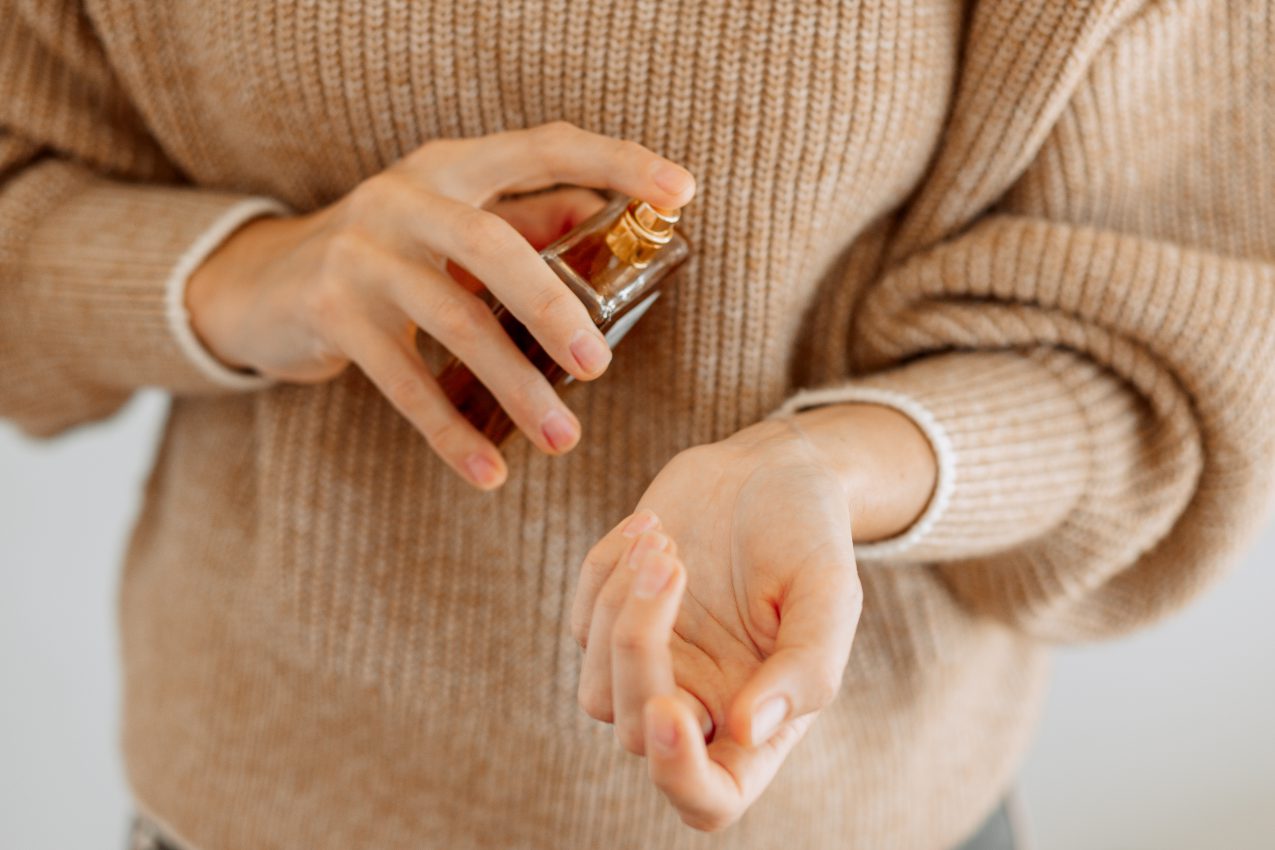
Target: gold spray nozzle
column 640, row 231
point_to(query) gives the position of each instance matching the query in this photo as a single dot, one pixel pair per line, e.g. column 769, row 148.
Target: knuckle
column 786, row 736
column 480, row 232
column 522, row 395
column 629, row 639
column 825, row 687
column 551, row 145
column 328, row 300
column 371, row 197
column 708, row 820
column 855, row 594
column 595, row 563
column 441, row 434
column 551, row 303
column 629, row 152
column 630, row 736
column 607, row 607
column 581, row 616
column 594, row 701
column 459, row 320
column 553, row 133
column 580, row 630
column 433, row 157
column 610, row 604
column 593, row 570
column 428, row 152
column 346, row 250
column 406, row 391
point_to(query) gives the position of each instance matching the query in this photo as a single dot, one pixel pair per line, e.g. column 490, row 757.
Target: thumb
column 817, row 620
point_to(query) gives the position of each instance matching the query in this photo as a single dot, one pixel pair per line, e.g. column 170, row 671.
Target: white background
column 1163, row 741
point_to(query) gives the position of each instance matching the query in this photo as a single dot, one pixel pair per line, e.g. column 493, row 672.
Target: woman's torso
column 381, row 651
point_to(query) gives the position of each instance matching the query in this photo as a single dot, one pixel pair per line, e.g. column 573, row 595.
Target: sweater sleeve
column 1092, row 358
column 97, row 234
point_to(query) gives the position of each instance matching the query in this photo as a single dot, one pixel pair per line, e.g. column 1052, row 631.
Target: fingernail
column 482, row 471
column 653, row 575
column 648, row 542
column 590, row 352
column 767, row 718
column 641, row 521
column 664, row 733
column 673, row 178
column 559, row 431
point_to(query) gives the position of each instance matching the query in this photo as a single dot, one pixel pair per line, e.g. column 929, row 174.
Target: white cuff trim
column 175, row 293
column 934, row 431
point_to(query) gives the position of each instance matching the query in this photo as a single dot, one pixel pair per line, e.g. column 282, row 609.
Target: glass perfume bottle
column 614, row 262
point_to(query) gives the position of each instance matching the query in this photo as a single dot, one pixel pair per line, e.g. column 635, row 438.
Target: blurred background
column 1162, row 741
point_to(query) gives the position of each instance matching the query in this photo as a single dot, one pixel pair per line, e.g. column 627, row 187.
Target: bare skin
column 299, row 299
column 727, row 603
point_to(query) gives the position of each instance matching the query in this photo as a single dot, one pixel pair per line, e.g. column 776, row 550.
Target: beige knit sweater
column 1043, row 228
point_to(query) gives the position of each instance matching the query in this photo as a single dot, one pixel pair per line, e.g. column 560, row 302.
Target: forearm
column 88, row 277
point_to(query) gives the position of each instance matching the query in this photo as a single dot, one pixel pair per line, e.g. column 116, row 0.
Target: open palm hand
column 722, row 611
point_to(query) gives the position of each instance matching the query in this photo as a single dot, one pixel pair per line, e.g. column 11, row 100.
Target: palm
column 729, row 596
column 745, row 534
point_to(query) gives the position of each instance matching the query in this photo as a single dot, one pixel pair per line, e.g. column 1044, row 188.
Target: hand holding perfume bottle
column 300, row 298
column 614, row 263
column 717, row 619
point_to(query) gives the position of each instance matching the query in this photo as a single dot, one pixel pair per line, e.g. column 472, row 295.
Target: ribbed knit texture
column 1044, row 227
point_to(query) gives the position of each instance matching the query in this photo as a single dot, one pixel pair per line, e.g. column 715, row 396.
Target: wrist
column 884, row 462
column 219, row 292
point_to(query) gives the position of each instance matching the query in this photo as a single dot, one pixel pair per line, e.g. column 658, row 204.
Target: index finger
column 598, row 565
column 559, row 152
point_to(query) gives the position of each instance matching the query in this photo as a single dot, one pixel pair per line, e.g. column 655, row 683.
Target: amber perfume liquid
column 615, row 263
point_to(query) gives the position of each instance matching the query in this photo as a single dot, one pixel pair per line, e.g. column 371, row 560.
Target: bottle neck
column 640, row 232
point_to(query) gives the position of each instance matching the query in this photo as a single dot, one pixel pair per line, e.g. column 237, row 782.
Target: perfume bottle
column 614, row 262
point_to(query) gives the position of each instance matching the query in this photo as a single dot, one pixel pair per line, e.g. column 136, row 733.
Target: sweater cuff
column 117, row 259
column 1009, row 437
column 179, row 324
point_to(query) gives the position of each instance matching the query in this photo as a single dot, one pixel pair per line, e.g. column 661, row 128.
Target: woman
column 974, row 341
